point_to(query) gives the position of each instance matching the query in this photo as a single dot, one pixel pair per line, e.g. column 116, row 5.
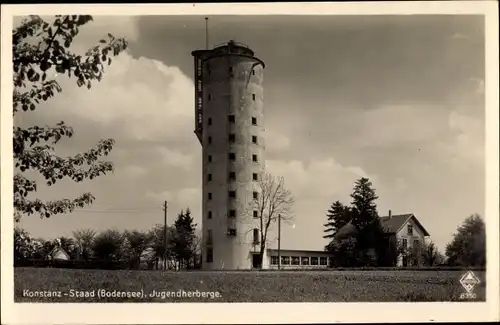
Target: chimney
column 390, row 214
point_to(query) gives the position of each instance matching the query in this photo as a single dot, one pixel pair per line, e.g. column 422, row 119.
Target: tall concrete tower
column 229, row 125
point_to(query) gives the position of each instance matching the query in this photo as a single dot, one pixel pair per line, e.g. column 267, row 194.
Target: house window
column 256, row 236
column 209, row 158
column 305, row 260
column 232, row 213
column 416, row 243
column 232, row 194
column 254, row 139
column 232, row 176
column 231, row 118
column 254, row 121
column 209, row 121
column 209, row 214
column 232, row 156
column 253, row 96
column 410, row 230
column 295, row 260
column 314, row 260
column 405, row 243
column 255, row 214
column 231, row 232
column 209, row 196
column 255, row 195
column 274, row 260
column 255, row 177
column 285, row 260
column 254, row 158
column 209, row 237
column 209, row 140
column 323, row 261
column 210, row 255
column 209, row 177
column 232, row 137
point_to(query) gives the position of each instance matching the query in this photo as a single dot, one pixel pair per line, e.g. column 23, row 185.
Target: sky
column 397, row 99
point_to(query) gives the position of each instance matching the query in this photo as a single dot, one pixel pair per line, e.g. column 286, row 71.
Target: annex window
column 231, row 118
column 209, row 196
column 209, row 177
column 231, row 232
column 232, row 213
column 209, row 158
column 232, row 176
column 256, row 236
column 274, row 260
column 255, row 176
column 210, row 255
column 295, row 260
column 232, row 156
column 410, row 229
column 209, row 214
column 314, row 260
column 285, row 260
column 305, row 260
column 232, row 137
column 255, row 195
column 254, row 158
column 232, row 194
column 209, row 121
column 255, row 214
column 323, row 261
column 254, row 139
column 254, row 121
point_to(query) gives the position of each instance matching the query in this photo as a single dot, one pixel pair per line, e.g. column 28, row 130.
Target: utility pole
column 279, row 241
column 165, row 235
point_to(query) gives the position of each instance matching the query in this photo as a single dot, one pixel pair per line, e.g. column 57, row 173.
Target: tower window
column 209, row 121
column 231, row 69
column 254, row 158
column 254, row 121
column 232, row 176
column 255, row 195
column 255, row 177
column 255, row 214
column 256, row 236
column 232, row 137
column 232, row 156
column 254, row 139
column 209, row 196
column 231, row 232
column 209, row 158
column 209, row 140
column 253, row 96
column 231, row 118
column 209, row 237
column 232, row 194
column 232, row 213
column 209, row 215
column 209, row 177
column 209, row 97
column 253, row 72
column 210, row 255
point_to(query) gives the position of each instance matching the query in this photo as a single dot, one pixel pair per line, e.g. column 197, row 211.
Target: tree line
column 357, row 237
column 123, row 250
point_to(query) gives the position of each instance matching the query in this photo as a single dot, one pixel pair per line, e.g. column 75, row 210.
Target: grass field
column 283, row 286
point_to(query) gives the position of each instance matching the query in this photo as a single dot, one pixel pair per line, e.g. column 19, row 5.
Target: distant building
column 296, row 259
column 406, row 228
column 58, row 253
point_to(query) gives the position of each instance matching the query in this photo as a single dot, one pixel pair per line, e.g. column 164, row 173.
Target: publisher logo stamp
column 469, row 281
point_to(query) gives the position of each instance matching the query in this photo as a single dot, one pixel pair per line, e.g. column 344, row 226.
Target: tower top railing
column 231, row 43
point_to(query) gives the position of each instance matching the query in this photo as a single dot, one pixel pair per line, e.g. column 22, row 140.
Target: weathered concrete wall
column 231, row 88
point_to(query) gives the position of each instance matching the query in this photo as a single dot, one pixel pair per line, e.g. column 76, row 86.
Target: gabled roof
column 392, row 224
column 59, row 249
column 396, row 222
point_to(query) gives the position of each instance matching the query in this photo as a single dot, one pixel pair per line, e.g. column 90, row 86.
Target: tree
column 108, row 245
column 39, row 48
column 430, row 254
column 158, row 243
column 338, row 216
column 84, row 239
column 25, row 247
column 468, row 246
column 184, row 239
column 138, row 242
column 274, row 200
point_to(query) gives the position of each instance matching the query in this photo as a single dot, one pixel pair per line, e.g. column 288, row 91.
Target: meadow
column 234, row 286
